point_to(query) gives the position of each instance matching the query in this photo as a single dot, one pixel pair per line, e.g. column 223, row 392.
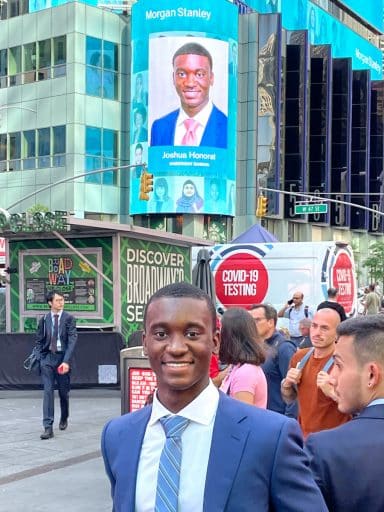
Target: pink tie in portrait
column 189, row 138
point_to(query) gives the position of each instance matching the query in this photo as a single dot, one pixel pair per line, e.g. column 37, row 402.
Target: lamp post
column 72, row 178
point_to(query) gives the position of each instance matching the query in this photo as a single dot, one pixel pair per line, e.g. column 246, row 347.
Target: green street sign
column 304, row 209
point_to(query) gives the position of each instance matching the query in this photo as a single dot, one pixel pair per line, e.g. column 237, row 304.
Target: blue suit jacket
column 256, row 461
column 67, row 332
column 215, row 133
column 347, row 462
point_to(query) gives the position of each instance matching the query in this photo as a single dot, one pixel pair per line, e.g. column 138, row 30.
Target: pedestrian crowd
column 246, row 415
column 296, row 423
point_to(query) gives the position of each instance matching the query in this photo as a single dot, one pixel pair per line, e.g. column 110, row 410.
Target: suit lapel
column 228, row 441
column 130, row 442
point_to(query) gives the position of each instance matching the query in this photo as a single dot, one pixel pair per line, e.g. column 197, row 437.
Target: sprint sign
column 241, row 280
column 343, row 279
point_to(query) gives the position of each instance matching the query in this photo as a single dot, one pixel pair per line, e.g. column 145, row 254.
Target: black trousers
column 49, row 376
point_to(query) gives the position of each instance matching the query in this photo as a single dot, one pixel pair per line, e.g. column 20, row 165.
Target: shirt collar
column 377, row 401
column 201, row 410
column 202, row 117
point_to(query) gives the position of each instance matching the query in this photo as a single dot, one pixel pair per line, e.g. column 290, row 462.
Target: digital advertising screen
column 183, row 106
column 323, row 28
column 371, row 11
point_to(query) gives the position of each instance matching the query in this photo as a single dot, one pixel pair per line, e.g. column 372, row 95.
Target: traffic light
column 262, row 206
column 146, row 185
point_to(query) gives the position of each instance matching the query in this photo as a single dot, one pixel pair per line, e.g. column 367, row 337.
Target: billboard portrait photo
column 191, row 106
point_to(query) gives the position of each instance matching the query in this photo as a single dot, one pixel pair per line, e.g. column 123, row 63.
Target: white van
column 247, row 274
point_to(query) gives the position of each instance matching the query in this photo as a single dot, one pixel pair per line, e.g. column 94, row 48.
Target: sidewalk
column 65, row 472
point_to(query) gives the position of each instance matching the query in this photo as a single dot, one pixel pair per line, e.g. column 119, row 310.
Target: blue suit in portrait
column 347, row 462
column 256, row 461
column 215, row 133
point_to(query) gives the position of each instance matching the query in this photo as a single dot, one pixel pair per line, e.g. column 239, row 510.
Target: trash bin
column 137, row 379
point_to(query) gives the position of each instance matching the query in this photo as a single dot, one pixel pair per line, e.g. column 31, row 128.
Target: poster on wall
column 146, row 267
column 183, row 106
column 45, row 270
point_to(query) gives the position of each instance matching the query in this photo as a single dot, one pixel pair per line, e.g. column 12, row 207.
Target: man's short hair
column 368, row 337
column 193, row 49
column 182, row 290
column 139, row 146
column 332, row 292
column 269, row 311
column 305, row 322
column 51, row 294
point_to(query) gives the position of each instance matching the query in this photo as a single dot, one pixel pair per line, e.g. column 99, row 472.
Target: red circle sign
column 343, row 279
column 241, row 280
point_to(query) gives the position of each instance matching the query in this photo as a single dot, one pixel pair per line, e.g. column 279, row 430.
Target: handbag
column 32, row 363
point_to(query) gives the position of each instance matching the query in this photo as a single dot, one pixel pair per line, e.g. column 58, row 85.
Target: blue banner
column 325, row 29
column 183, row 106
column 371, row 11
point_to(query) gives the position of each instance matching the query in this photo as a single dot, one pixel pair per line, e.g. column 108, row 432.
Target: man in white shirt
column 295, row 310
column 233, row 456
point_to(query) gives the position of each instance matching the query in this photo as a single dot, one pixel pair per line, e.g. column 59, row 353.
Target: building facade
column 310, row 117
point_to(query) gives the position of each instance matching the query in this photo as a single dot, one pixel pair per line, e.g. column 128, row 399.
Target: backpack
column 306, row 308
column 303, row 362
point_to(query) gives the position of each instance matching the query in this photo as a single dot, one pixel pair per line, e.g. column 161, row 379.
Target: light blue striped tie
column 168, row 477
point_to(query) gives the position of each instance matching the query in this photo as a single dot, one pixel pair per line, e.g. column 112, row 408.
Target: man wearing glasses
column 279, row 353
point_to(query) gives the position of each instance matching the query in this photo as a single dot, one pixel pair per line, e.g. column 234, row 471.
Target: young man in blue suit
column 198, row 122
column 347, row 461
column 56, row 339
column 234, row 457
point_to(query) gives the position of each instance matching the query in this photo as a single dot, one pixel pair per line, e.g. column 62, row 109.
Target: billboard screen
column 183, row 106
column 325, row 29
column 370, row 11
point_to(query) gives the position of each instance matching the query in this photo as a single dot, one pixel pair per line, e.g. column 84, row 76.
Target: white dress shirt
column 53, row 324
column 201, row 118
column 196, row 446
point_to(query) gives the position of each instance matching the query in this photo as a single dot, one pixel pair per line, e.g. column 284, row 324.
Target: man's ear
column 144, row 342
column 216, row 342
column 375, row 374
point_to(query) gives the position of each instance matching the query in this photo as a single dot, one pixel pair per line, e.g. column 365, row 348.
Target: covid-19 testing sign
column 183, row 106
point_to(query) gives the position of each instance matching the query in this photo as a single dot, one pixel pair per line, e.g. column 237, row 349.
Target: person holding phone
column 295, row 310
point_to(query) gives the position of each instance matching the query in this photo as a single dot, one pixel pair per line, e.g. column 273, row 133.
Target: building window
column 43, row 147
column 15, row 151
column 101, row 149
column 59, row 56
column 3, row 152
column 14, row 65
column 33, row 61
column 44, row 64
column 29, row 149
column 59, row 145
column 32, row 149
column 102, row 67
column 29, row 67
column 3, row 67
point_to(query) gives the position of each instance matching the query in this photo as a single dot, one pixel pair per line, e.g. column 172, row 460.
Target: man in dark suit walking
column 347, row 461
column 195, row 448
column 56, row 339
column 198, row 122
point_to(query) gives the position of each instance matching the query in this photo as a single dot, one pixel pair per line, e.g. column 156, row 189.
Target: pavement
column 65, row 472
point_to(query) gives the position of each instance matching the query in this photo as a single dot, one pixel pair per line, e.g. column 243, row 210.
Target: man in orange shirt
column 308, row 379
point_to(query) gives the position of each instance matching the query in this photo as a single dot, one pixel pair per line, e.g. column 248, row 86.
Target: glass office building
column 306, row 100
